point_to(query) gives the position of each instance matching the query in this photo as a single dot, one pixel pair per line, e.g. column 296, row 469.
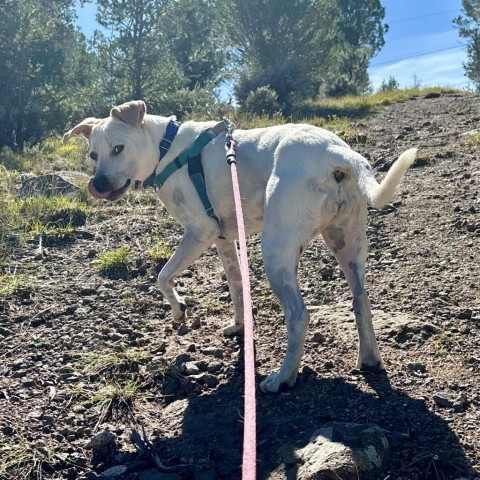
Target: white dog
column 297, row 181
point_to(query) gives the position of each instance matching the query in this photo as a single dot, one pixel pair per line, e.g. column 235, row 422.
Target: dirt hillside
column 81, row 354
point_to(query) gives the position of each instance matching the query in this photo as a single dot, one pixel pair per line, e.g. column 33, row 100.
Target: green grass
column 112, row 363
column 115, row 262
column 361, row 106
column 117, row 397
column 10, row 282
column 51, row 154
column 471, row 141
column 24, row 459
column 21, row 216
column 336, row 114
column 44, row 214
column 160, row 252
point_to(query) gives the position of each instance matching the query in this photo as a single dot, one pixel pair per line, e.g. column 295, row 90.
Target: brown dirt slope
column 60, row 385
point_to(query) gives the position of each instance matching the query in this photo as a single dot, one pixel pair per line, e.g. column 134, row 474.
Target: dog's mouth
column 110, row 195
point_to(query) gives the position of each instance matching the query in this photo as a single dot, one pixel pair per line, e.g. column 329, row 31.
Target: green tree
column 360, row 37
column 38, row 69
column 468, row 25
column 283, row 45
column 162, row 51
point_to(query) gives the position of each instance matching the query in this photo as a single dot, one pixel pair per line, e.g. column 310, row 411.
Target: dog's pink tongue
column 95, row 193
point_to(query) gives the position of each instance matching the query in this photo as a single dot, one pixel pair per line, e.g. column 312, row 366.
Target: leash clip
column 230, row 144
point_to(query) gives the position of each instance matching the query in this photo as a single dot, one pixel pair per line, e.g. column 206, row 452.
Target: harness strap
column 193, row 158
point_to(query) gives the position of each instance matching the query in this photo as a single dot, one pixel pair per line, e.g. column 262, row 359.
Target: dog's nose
column 102, row 184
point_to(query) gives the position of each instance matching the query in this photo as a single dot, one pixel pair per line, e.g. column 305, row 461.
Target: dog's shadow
column 211, row 432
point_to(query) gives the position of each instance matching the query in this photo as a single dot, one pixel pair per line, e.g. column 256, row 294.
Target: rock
column 444, row 400
column 216, row 352
column 67, row 184
column 340, row 450
column 197, row 323
column 102, row 440
column 417, row 368
column 224, row 297
column 318, row 337
column 114, row 471
column 393, row 326
column 214, row 367
column 182, row 329
column 191, row 368
column 326, row 273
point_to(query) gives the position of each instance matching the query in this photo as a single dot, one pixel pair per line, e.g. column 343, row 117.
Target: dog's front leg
column 228, row 254
column 192, row 245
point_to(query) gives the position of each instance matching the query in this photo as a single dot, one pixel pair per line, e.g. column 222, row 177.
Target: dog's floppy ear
column 84, row 128
column 131, row 113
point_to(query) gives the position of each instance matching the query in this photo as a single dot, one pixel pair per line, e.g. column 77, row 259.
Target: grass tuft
column 114, row 263
column 24, row 459
column 111, row 363
column 160, row 252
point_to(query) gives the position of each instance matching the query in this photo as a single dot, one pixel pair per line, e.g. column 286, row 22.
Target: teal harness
column 191, row 157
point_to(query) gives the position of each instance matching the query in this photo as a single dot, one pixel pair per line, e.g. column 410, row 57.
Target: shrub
column 262, row 101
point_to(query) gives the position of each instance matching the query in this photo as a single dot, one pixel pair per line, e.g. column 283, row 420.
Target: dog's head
column 120, row 147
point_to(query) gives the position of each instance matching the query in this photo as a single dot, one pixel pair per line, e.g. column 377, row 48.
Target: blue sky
column 417, row 27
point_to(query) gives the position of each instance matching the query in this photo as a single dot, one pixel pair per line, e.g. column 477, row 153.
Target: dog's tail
column 379, row 194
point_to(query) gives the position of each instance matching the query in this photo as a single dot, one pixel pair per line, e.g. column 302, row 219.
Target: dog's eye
column 118, row 149
column 93, row 156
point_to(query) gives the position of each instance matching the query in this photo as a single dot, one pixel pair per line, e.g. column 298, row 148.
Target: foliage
column 360, row 36
column 389, row 85
column 160, row 252
column 41, row 214
column 49, row 154
column 262, row 101
column 469, row 28
column 358, row 106
column 161, row 62
column 113, row 262
column 41, row 65
column 22, row 458
column 280, row 44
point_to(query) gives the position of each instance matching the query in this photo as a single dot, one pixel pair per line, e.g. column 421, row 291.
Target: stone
column 102, row 440
column 214, row 367
column 67, row 184
column 191, row 368
column 114, row 472
column 340, row 450
column 444, row 400
column 182, row 329
column 391, row 326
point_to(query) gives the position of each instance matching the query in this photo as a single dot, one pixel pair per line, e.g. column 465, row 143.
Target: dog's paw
column 376, row 365
column 230, row 329
column 275, row 383
column 180, row 313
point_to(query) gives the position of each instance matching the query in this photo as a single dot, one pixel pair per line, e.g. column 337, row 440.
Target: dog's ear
column 131, row 113
column 84, row 128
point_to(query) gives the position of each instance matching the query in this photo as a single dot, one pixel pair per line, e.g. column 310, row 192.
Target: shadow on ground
column 210, row 433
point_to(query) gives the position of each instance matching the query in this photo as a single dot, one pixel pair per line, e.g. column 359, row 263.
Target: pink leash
column 249, row 427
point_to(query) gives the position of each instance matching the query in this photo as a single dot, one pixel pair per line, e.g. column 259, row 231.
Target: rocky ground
column 86, row 359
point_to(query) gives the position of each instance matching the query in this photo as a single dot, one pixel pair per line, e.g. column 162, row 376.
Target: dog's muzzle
column 106, row 194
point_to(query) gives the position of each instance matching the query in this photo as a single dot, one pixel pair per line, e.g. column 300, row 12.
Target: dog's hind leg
column 228, row 254
column 346, row 236
column 191, row 246
column 281, row 254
